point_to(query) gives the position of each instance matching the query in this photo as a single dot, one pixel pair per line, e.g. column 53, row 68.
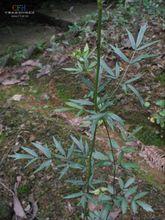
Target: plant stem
column 100, row 9
column 113, row 154
column 89, row 169
column 89, row 159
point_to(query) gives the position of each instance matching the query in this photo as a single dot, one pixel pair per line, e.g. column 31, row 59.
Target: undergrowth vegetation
column 80, row 163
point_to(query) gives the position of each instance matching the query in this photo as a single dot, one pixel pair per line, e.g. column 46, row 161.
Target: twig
column 123, row 77
column 4, row 186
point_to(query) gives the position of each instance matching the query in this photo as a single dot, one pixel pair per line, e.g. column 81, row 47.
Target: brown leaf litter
column 21, row 213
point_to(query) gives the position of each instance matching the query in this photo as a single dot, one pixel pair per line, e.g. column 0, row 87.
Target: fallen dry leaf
column 9, row 82
column 14, row 75
column 45, row 70
column 33, row 208
column 18, row 209
column 32, row 63
column 63, row 60
column 154, row 157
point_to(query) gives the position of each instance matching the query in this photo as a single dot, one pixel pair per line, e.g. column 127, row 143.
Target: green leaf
column 143, row 57
column 160, row 103
column 145, row 206
column 86, row 48
column 129, row 182
column 83, row 201
column 82, row 102
column 59, row 147
column 140, row 195
column 131, row 191
column 120, row 157
column 134, row 206
column 131, row 39
column 44, row 165
column 76, row 182
column 148, row 45
column 114, row 144
column 135, row 91
column 117, row 70
column 99, row 156
column 141, row 34
column 120, row 53
column 129, row 165
column 162, row 113
column 121, row 183
column 63, row 171
column 78, row 143
column 128, row 149
column 97, row 116
column 111, row 156
column 107, row 68
column 110, row 122
column 92, row 65
column 105, row 212
column 62, row 110
column 73, row 105
column 111, row 189
column 30, row 162
column 116, row 118
column 74, row 195
column 133, row 79
column 30, row 151
column 18, row 156
column 44, row 150
column 74, row 165
column 147, row 104
column 103, row 198
column 104, row 164
column 70, row 151
column 124, row 206
column 73, row 70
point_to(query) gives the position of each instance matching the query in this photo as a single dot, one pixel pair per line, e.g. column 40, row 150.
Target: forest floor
column 32, row 88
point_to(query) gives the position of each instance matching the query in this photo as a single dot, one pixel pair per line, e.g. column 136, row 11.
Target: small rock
column 17, row 98
column 45, row 97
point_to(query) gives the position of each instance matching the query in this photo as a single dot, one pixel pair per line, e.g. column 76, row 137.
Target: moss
column 35, row 89
column 5, row 212
column 63, row 92
column 2, row 138
column 149, row 178
column 161, row 78
column 8, row 93
column 68, row 87
column 23, row 190
column 149, row 136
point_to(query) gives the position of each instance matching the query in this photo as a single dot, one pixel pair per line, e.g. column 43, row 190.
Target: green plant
column 159, row 116
column 54, row 45
column 75, row 28
column 40, row 46
column 83, row 64
column 121, row 190
column 19, row 55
